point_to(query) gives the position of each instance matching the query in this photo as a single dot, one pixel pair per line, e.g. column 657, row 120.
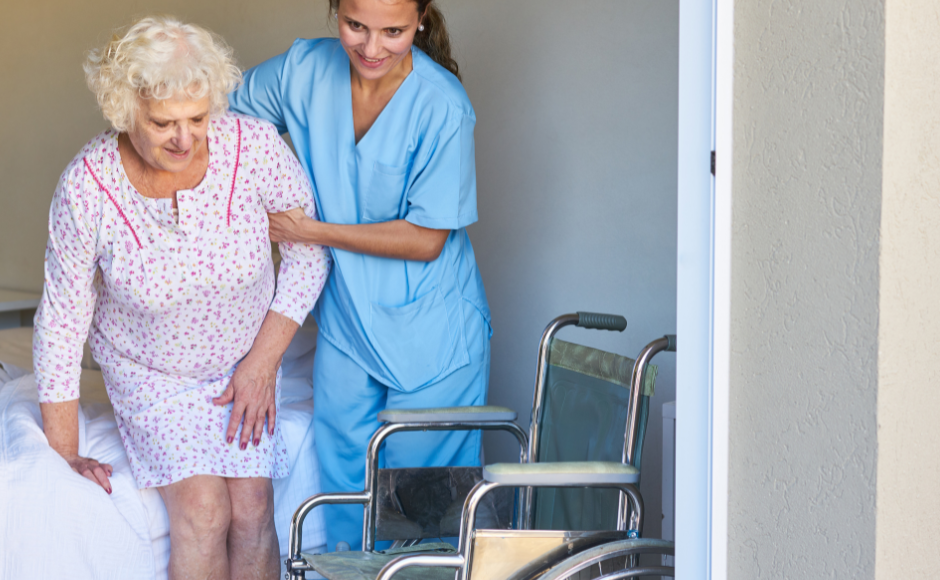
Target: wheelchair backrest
column 584, row 418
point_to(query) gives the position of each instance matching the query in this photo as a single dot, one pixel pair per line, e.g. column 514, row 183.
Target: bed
column 53, row 522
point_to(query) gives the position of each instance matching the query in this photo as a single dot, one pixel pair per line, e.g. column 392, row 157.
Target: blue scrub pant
column 346, row 403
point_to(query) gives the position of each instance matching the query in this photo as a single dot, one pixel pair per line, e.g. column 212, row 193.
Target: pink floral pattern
column 174, row 299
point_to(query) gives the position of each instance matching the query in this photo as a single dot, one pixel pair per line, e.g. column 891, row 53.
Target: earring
column 420, row 28
column 335, row 16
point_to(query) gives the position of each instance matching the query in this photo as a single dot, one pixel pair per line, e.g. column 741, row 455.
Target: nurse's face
column 377, row 34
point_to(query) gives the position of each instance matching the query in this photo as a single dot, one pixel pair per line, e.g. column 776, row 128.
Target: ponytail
column 434, row 40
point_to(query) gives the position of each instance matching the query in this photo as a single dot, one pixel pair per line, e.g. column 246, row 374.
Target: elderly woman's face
column 169, row 133
column 377, row 34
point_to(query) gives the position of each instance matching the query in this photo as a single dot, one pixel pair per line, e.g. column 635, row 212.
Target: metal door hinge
column 713, row 163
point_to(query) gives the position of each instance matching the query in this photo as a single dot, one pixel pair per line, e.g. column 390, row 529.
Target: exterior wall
column 48, row 113
column 576, row 143
column 809, row 87
column 909, row 330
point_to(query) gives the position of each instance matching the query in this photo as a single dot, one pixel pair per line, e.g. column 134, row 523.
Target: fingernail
column 257, row 441
column 244, row 446
column 109, row 491
column 229, row 439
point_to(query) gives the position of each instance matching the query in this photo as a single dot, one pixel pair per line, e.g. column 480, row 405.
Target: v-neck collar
column 346, row 78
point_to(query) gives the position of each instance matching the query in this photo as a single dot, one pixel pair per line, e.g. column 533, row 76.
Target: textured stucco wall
column 909, row 330
column 806, row 212
column 47, row 114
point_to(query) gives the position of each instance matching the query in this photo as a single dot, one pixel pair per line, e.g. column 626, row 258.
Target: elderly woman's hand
column 91, row 470
column 252, row 387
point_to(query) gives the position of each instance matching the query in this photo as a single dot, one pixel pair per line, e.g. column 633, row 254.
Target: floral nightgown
column 174, row 300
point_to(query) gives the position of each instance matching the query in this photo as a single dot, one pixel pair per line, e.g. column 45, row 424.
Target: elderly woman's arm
column 60, row 424
column 64, row 315
column 303, row 272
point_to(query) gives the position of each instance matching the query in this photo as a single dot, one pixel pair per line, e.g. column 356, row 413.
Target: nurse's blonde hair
column 160, row 58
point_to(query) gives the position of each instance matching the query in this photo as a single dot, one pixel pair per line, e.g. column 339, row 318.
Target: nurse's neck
column 371, row 95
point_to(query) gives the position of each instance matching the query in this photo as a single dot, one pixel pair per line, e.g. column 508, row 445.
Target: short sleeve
column 260, row 95
column 443, row 195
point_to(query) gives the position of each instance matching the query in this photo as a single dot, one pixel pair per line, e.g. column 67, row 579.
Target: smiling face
column 169, row 134
column 377, row 34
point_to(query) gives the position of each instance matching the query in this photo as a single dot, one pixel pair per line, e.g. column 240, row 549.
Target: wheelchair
column 578, row 470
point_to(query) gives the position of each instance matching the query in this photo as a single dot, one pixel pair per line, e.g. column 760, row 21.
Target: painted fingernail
column 229, row 439
column 244, row 446
column 109, row 491
column 257, row 441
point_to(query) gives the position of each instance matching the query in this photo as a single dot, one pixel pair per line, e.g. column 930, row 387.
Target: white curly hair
column 160, row 58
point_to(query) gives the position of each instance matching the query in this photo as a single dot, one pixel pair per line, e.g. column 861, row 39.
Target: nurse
column 384, row 129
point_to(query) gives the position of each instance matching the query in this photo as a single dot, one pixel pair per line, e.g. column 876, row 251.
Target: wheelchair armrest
column 448, row 415
column 423, row 560
column 295, row 534
column 563, row 474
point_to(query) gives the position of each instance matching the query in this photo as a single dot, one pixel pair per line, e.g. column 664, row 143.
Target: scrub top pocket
column 415, row 340
column 386, row 192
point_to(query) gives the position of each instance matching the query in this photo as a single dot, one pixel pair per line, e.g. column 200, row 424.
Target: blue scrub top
column 402, row 321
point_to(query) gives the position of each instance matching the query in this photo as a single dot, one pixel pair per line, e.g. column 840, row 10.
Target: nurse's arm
column 398, row 239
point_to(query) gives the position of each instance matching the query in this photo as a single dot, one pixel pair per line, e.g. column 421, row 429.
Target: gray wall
column 48, row 114
column 576, row 161
column 809, row 98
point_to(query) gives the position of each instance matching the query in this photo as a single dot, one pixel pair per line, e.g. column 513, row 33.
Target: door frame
column 703, row 303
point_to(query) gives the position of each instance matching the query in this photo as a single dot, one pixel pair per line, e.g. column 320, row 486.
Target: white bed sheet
column 53, row 521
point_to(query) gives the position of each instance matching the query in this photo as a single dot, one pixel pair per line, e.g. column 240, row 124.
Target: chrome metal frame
column 538, row 399
column 296, row 566
column 631, row 437
column 463, row 558
column 383, row 432
column 541, row 375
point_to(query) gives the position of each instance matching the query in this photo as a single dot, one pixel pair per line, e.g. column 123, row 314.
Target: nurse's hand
column 252, row 388
column 289, row 226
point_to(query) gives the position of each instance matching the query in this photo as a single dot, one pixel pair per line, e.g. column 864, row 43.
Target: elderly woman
column 158, row 240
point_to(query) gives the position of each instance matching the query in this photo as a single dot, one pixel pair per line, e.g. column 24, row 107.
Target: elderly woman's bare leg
column 200, row 516
column 252, row 540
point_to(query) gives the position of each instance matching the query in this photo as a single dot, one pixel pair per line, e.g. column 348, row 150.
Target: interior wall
column 48, row 113
column 909, row 328
column 576, row 158
column 809, row 96
column 576, row 144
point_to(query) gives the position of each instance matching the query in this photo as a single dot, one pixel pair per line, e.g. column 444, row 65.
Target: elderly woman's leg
column 200, row 515
column 252, row 540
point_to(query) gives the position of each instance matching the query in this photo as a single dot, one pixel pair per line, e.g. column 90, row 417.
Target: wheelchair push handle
column 671, row 338
column 598, row 321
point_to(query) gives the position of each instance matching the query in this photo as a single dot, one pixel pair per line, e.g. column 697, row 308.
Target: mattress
column 45, row 506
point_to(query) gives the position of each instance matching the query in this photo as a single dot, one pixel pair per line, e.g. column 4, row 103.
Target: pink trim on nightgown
column 116, row 206
column 238, row 153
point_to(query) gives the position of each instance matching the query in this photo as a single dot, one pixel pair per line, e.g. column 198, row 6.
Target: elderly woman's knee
column 202, row 512
column 252, row 504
